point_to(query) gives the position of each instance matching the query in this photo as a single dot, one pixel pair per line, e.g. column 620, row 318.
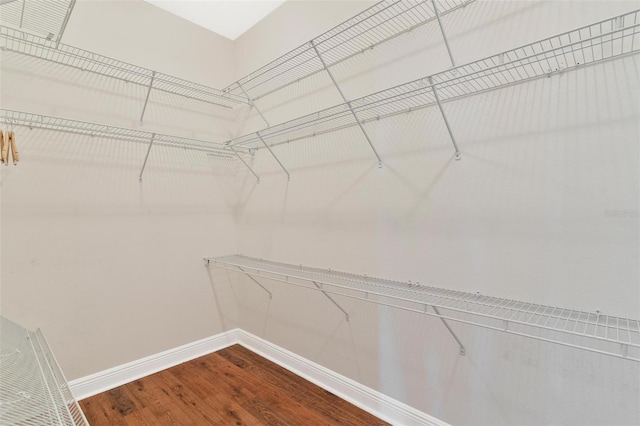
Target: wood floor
column 233, row 386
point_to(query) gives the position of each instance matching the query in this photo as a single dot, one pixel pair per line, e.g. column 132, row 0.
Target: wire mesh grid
column 608, row 39
column 47, row 18
column 33, row 390
column 41, row 48
column 38, row 121
column 591, row 331
column 378, row 24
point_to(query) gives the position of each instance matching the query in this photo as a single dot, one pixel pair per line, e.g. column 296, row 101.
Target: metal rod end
column 379, row 164
column 462, row 351
column 458, row 156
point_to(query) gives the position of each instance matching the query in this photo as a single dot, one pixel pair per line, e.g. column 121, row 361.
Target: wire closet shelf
column 38, row 121
column 378, row 24
column 33, row 390
column 47, row 18
column 590, row 331
column 605, row 40
column 12, row 40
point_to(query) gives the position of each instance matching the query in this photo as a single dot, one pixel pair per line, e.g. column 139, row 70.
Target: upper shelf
column 380, row 23
column 33, row 390
column 39, row 121
column 47, row 18
column 591, row 331
column 590, row 44
column 27, row 44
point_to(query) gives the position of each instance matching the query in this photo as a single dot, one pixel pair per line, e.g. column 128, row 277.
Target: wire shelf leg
column 146, row 100
column 462, row 351
column 335, row 83
column 444, row 117
column 146, row 157
column 346, row 315
column 256, row 281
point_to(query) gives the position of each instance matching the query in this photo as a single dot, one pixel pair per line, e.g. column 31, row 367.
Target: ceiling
column 228, row 18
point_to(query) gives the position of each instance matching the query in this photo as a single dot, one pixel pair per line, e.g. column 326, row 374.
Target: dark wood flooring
column 233, row 386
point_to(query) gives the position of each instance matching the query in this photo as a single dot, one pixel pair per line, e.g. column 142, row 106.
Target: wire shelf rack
column 380, row 23
column 47, row 18
column 39, row 121
column 590, row 331
column 13, row 40
column 601, row 41
column 33, row 389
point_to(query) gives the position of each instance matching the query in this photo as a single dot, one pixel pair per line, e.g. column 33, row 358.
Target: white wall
column 109, row 267
column 521, row 216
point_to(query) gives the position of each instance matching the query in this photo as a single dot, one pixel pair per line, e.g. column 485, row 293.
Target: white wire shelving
column 12, row 40
column 590, row 331
column 33, row 389
column 378, row 24
column 48, row 18
column 39, row 121
column 605, row 40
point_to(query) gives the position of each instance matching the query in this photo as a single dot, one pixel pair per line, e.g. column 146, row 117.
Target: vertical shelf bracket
column 444, row 116
column 146, row 101
column 244, row 162
column 444, row 35
column 346, row 315
column 256, row 281
column 335, row 83
column 462, row 350
column 146, row 157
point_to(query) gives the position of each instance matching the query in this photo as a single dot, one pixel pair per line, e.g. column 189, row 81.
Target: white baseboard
column 368, row 399
column 102, row 381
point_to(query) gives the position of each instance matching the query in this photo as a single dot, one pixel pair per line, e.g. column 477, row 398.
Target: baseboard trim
column 376, row 403
column 102, row 381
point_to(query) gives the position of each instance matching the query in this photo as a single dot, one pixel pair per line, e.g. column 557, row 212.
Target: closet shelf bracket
column 243, row 161
column 462, row 350
column 444, row 35
column 146, row 100
column 146, row 157
column 319, row 287
column 444, row 117
column 344, row 98
column 257, row 282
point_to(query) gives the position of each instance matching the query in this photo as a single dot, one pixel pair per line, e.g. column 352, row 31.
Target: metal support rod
column 65, row 22
column 444, row 36
column 253, row 104
column 22, row 13
column 146, row 157
column 244, row 162
column 335, row 83
column 346, row 315
column 146, row 101
column 274, row 156
column 446, row 324
column 256, row 281
column 444, row 116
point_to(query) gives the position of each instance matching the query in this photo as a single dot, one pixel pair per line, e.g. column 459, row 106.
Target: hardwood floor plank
column 233, row 386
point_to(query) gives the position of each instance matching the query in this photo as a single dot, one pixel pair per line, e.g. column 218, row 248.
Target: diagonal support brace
column 444, row 116
column 444, row 35
column 146, row 157
column 446, row 324
column 346, row 315
column 256, row 281
column 244, row 162
column 146, row 101
column 273, row 155
column 344, row 98
column 258, row 134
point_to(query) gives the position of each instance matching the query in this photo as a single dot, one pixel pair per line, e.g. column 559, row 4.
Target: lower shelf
column 590, row 331
column 33, row 390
